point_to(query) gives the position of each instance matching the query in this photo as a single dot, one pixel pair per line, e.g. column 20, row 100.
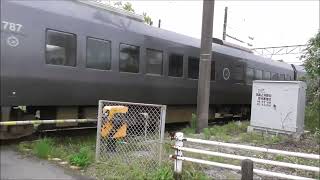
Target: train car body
column 70, row 54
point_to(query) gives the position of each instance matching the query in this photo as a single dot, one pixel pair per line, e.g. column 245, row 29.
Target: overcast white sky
column 271, row 23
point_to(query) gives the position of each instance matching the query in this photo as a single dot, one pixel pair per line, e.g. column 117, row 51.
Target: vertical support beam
column 162, row 127
column 205, row 65
column 178, row 153
column 246, row 169
column 224, row 35
column 99, row 124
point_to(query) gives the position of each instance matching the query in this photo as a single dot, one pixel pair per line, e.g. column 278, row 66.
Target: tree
column 312, row 55
column 147, row 19
column 128, row 7
column 312, row 66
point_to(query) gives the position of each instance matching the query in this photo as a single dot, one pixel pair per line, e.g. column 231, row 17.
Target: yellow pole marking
column 9, row 123
column 35, row 122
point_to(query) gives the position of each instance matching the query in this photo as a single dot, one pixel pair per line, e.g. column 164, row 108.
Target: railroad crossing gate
column 130, row 134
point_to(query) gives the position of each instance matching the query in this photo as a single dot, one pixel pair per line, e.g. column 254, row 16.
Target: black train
column 59, row 58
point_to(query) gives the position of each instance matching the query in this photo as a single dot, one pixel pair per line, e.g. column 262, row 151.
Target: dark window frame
column 139, row 58
column 99, row 39
column 182, row 65
column 275, row 75
column 264, row 75
column 249, row 81
column 75, row 48
column 255, row 74
column 193, row 58
column 146, row 62
column 214, row 66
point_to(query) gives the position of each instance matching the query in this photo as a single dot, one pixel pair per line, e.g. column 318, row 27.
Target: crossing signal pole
column 205, row 65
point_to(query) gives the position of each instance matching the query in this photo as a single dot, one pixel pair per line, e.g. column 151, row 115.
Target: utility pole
column 225, row 23
column 205, row 65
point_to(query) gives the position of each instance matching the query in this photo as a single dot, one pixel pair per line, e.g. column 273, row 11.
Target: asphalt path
column 15, row 166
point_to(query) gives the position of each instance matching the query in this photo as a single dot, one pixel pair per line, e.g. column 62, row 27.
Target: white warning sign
column 263, row 98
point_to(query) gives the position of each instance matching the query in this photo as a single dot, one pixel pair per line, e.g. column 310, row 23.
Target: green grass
column 193, row 125
column 312, row 117
column 225, row 132
column 43, row 148
column 165, row 172
column 82, row 158
column 260, row 139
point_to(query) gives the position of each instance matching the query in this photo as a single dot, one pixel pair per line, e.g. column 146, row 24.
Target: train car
column 58, row 58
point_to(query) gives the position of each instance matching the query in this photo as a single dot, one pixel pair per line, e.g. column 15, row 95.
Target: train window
column 154, row 61
column 249, row 75
column 129, row 58
column 60, row 48
column 282, row 77
column 275, row 76
column 213, row 70
column 267, row 75
column 288, row 78
column 238, row 73
column 175, row 65
column 193, row 67
column 258, row 74
column 98, row 54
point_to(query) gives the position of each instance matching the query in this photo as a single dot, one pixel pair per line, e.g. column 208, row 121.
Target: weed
column 193, row 121
column 188, row 130
column 82, row 158
column 43, row 147
column 25, row 146
column 206, row 132
column 165, row 172
column 194, row 175
column 260, row 139
column 279, row 158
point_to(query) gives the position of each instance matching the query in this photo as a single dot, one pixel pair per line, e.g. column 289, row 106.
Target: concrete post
column 178, row 153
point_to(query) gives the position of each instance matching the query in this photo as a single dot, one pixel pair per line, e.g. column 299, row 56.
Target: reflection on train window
column 129, row 58
column 258, row 74
column 249, row 75
column 267, row 75
column 213, row 70
column 282, row 77
column 288, row 78
column 175, row 65
column 60, row 48
column 275, row 76
column 154, row 61
column 98, row 54
column 238, row 73
column 193, row 67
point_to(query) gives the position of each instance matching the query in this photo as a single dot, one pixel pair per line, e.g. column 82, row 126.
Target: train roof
column 80, row 10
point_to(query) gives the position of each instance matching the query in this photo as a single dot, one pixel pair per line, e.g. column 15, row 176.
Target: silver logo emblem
column 13, row 41
column 226, row 73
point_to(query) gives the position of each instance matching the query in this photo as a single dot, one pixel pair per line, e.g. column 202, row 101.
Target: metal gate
column 132, row 134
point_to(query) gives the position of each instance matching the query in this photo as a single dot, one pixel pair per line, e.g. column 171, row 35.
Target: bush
column 82, row 158
column 43, row 147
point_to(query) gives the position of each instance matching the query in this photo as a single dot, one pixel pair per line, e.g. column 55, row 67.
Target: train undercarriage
column 176, row 114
